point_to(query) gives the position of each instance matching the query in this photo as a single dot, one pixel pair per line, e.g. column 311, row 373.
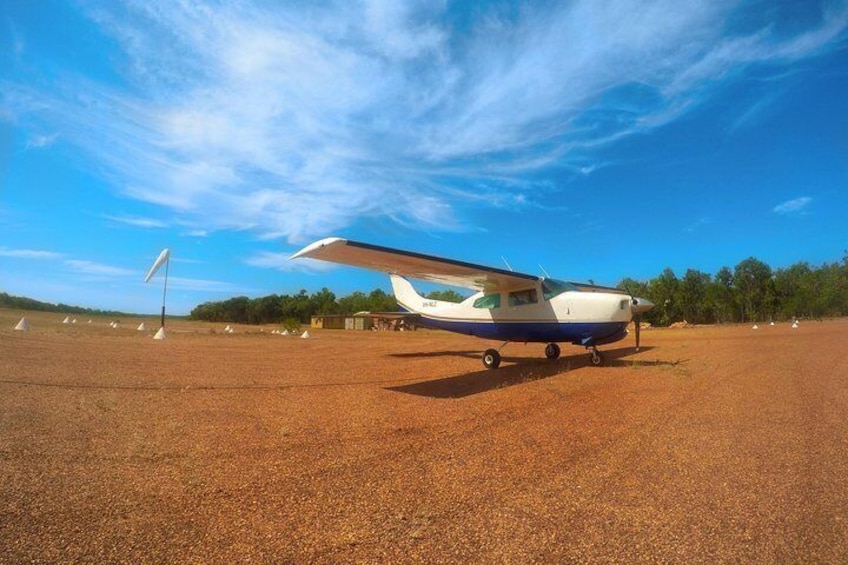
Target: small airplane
column 508, row 306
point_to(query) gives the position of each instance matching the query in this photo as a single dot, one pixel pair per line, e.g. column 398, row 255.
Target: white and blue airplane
column 508, row 306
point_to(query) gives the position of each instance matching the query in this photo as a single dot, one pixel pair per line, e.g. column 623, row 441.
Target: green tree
column 379, row 301
column 448, row 295
column 323, row 302
column 662, row 291
column 751, row 281
column 353, row 303
column 692, row 294
column 634, row 287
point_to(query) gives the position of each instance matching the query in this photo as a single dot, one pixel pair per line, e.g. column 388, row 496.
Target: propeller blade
column 638, row 307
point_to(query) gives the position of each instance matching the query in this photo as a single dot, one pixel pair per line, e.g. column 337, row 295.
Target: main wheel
column 552, row 351
column 596, row 358
column 491, row 358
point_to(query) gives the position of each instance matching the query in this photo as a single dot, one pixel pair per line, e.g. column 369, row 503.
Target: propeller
column 638, row 306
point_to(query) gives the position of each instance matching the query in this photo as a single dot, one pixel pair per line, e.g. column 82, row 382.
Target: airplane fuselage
column 540, row 312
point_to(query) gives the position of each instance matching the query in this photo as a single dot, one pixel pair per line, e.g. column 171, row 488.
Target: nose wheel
column 552, row 351
column 596, row 357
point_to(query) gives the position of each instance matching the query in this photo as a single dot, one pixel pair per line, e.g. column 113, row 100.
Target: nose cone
column 640, row 305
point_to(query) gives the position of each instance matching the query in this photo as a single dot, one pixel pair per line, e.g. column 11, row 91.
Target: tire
column 552, row 351
column 491, row 358
column 597, row 359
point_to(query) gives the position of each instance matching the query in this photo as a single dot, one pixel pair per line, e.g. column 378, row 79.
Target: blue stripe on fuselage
column 580, row 333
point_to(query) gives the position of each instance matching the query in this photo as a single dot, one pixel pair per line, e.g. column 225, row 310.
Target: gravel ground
column 712, row 444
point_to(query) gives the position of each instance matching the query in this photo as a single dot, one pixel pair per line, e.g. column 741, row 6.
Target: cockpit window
column 522, row 297
column 553, row 287
column 489, row 301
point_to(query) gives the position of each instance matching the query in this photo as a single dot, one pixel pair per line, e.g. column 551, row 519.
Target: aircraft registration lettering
column 428, row 304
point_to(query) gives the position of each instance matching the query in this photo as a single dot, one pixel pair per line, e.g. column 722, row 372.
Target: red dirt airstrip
column 712, row 444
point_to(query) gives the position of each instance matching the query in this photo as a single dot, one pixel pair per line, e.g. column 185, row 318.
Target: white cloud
column 147, row 223
column 281, row 262
column 91, row 268
column 41, row 141
column 29, row 254
column 295, row 123
column 794, row 206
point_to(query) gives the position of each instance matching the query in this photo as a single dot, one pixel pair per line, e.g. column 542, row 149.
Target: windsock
column 163, row 257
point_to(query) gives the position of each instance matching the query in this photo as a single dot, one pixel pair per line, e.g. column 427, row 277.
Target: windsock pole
column 165, row 290
column 164, row 257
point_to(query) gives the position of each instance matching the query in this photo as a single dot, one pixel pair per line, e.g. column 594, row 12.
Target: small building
column 339, row 322
column 329, row 322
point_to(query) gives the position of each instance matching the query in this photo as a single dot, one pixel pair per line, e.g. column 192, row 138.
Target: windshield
column 553, row 287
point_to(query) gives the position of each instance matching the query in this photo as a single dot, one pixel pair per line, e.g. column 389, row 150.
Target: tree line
column 752, row 291
column 31, row 305
column 285, row 308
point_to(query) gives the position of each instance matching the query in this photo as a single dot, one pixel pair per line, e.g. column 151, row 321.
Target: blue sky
column 596, row 139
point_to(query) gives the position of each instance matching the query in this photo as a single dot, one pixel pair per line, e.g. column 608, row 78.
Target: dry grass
column 712, row 444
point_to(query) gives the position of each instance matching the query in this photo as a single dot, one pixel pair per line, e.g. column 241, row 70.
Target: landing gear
column 491, row 358
column 596, row 357
column 552, row 351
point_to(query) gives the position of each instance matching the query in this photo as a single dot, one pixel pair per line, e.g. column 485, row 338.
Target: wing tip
column 313, row 247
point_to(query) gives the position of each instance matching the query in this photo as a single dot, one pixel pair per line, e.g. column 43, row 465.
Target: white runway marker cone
column 67, row 320
column 23, row 325
column 305, row 335
column 160, row 334
column 141, row 327
column 756, row 327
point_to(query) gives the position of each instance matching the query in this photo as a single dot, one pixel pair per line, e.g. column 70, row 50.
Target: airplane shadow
column 523, row 370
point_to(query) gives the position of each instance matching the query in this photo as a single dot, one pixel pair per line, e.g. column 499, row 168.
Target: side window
column 522, row 297
column 488, row 301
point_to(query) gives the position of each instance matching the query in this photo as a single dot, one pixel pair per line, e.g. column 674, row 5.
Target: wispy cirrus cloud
column 281, row 262
column 147, row 223
column 794, row 206
column 41, row 141
column 78, row 266
column 84, row 267
column 29, row 254
column 294, row 123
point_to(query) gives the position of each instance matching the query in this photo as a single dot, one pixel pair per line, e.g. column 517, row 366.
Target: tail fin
column 407, row 297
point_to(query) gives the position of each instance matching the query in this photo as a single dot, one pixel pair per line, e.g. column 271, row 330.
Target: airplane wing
column 415, row 265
